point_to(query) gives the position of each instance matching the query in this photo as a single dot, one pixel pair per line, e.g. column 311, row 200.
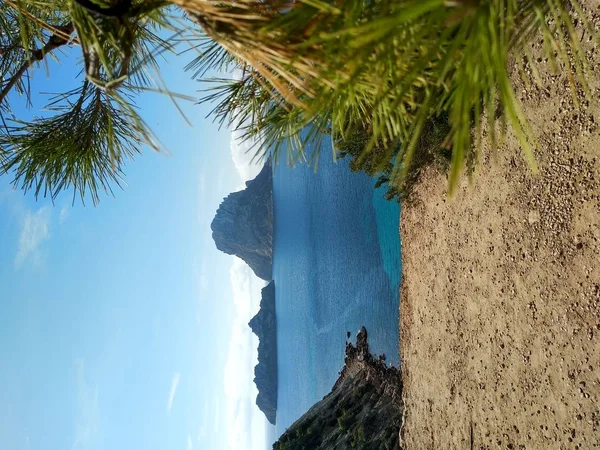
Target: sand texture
column 500, row 301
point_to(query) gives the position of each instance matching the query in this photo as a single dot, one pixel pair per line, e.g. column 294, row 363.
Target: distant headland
column 263, row 324
column 243, row 226
column 362, row 411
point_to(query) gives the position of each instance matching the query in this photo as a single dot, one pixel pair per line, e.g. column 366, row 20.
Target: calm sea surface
column 336, row 267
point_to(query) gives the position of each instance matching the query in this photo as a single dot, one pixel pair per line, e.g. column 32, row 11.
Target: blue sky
column 122, row 326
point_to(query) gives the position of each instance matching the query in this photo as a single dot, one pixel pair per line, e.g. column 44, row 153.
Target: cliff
column 363, row 410
column 265, row 373
column 243, row 225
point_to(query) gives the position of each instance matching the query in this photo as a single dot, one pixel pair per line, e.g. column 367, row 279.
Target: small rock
column 534, row 216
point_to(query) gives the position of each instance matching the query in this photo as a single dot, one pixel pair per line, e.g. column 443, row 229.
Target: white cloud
column 64, row 214
column 244, row 421
column 202, row 185
column 35, row 230
column 86, row 426
column 173, row 391
column 242, row 153
column 203, row 195
column 190, row 445
column 222, row 177
column 203, row 281
column 203, row 271
column 217, row 424
column 206, row 414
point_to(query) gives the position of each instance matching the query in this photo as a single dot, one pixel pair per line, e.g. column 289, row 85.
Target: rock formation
column 243, row 225
column 265, row 373
column 363, row 410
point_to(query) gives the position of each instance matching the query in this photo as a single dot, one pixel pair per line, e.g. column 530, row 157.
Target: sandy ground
column 500, row 303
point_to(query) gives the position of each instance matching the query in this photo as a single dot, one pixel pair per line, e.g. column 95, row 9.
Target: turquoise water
column 336, row 267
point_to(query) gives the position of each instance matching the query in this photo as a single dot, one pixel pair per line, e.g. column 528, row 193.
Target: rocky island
column 363, row 410
column 243, row 225
column 264, row 326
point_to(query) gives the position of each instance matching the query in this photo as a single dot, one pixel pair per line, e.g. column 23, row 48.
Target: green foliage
column 93, row 128
column 301, row 437
column 378, row 160
column 343, row 70
column 388, row 66
column 41, row 153
column 358, row 437
column 343, row 416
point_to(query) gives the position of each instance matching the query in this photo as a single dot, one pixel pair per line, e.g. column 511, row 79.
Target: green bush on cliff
column 432, row 148
column 358, row 437
column 343, row 417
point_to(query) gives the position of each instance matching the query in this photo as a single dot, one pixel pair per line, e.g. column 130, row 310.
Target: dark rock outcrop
column 243, row 225
column 264, row 326
column 363, row 410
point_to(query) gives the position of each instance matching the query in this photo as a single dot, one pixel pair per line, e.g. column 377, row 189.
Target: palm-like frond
column 304, row 68
column 82, row 146
column 386, row 65
column 25, row 29
column 210, row 55
column 90, row 131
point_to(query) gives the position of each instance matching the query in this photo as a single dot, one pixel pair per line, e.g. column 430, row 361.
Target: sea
column 337, row 267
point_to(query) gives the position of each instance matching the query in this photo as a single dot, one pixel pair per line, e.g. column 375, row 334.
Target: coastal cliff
column 363, row 410
column 264, row 326
column 243, row 225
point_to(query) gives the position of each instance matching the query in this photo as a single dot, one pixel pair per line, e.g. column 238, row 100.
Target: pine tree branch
column 56, row 40
column 46, row 26
column 13, row 80
column 122, row 8
column 119, row 9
